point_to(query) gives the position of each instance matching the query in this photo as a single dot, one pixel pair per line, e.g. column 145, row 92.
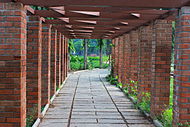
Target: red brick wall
column 182, row 68
column 53, row 60
column 161, row 61
column 33, row 76
column 13, row 64
column 145, row 38
column 46, row 57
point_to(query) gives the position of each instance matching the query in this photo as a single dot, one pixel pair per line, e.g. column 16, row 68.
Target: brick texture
column 134, row 64
column 161, row 61
column 126, row 54
column 145, row 38
column 120, row 59
column 33, row 76
column 53, row 60
column 58, row 63
column 116, row 57
column 113, row 57
column 46, row 65
column 13, row 64
column 66, row 57
column 182, row 66
column 63, row 60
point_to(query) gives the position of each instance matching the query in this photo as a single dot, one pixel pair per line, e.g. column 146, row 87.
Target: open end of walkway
column 87, row 100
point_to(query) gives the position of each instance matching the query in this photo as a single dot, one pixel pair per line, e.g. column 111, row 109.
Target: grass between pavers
column 165, row 118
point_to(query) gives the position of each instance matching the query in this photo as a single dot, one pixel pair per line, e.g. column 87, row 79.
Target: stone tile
column 141, row 125
column 93, row 106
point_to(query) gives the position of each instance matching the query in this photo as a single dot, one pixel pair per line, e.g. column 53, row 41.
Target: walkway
column 87, row 100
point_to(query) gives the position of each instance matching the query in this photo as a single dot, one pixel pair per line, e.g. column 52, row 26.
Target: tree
column 101, row 44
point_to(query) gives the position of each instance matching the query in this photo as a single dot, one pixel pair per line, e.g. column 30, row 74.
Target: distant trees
column 85, row 47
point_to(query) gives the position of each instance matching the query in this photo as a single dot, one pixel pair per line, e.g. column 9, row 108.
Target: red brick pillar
column 66, row 46
column 134, row 65
column 126, row 61
column 58, row 63
column 161, row 61
column 145, row 38
column 182, row 68
column 120, row 59
column 46, row 57
column 53, row 60
column 62, row 53
column 33, row 68
column 113, row 57
column 12, row 65
column 62, row 60
column 116, row 56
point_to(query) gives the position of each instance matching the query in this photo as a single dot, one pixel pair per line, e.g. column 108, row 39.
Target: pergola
column 34, row 50
column 102, row 19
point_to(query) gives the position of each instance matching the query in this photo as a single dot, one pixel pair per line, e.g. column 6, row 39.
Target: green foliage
column 119, row 85
column 112, row 80
column 144, row 104
column 187, row 124
column 167, row 117
column 93, row 46
column 71, row 46
column 171, row 90
column 30, row 119
column 133, row 87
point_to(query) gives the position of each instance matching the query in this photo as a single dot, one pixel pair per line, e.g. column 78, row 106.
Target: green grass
column 77, row 62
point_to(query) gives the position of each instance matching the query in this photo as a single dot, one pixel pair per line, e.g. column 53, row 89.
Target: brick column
column 116, row 57
column 161, row 61
column 12, row 65
column 120, row 59
column 113, row 57
column 46, row 57
column 53, row 60
column 33, row 76
column 134, row 65
column 145, row 38
column 126, row 54
column 58, row 63
column 182, row 68
column 63, row 60
column 62, row 54
column 66, row 47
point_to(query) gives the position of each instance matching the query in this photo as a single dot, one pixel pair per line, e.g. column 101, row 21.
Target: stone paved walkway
column 87, row 100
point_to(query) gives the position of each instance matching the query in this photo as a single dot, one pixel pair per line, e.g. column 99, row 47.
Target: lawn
column 77, row 62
